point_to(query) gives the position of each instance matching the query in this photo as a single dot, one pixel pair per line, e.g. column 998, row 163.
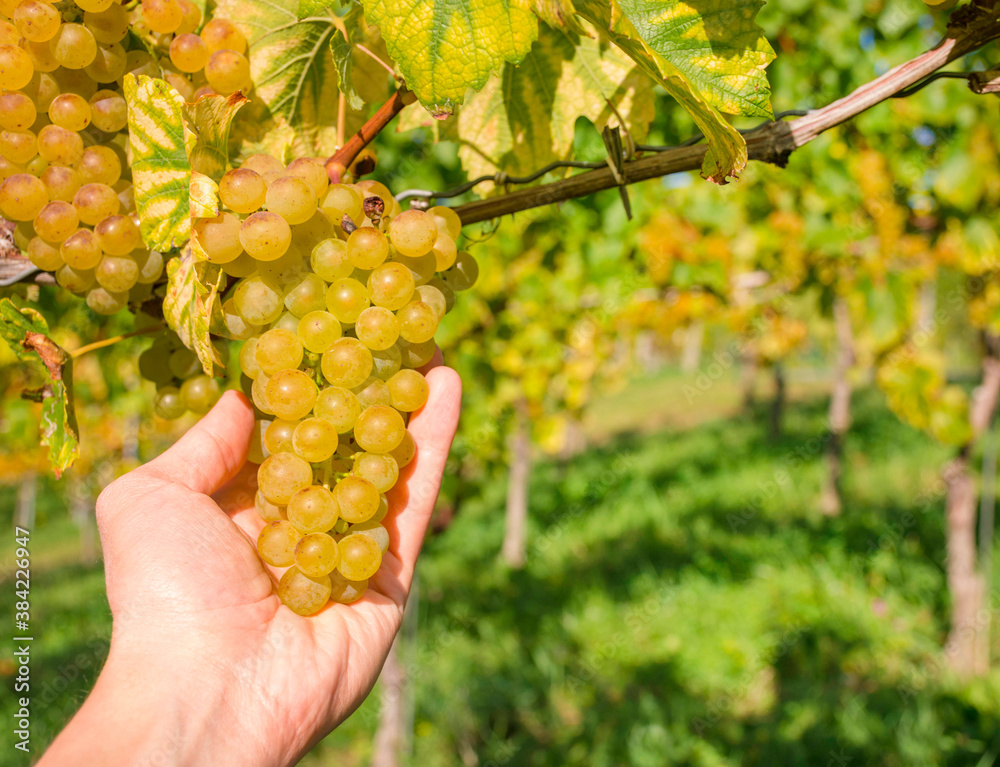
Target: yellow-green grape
column 372, row 392
column 17, row 111
column 380, row 470
column 22, row 196
column 109, row 113
column 307, row 235
column 317, row 554
column 200, row 393
column 463, row 274
column 373, row 530
column 339, row 406
column 287, row 321
column 242, row 190
column 118, row 236
column 184, row 363
column 73, row 46
column 292, row 199
column 433, row 297
column 282, row 475
column 228, row 71
column 278, row 435
column 312, row 171
column 8, row 168
column 413, row 233
column 219, row 237
column 278, row 349
column 445, row 252
column 109, row 64
column 357, row 499
column 220, row 34
column 346, row 299
column 313, row 509
column 81, row 250
column 237, row 328
column 377, row 328
column 318, row 330
column 162, row 16
column 168, row 403
column 416, row 355
column 36, row 21
column 283, row 269
column 290, row 393
column 386, row 362
column 405, row 452
column 248, row 353
column 367, row 247
column 277, row 541
column 19, row 147
column 344, row 591
column 418, row 322
column 108, row 26
column 16, row 68
column 391, row 285
column 100, row 165
column 242, row 266
column 43, row 255
column 94, row 202
column 348, row 363
column 315, row 440
column 74, row 280
column 258, row 393
column 150, row 266
column 306, row 295
column 103, row 301
column 56, row 221
column 370, row 187
column 360, row 557
column 117, row 274
column 447, row 220
column 268, row 511
column 422, row 267
column 258, row 163
column 408, row 390
column 265, row 236
column 258, row 300
column 329, row 260
column 94, row 5
column 188, row 53
column 445, row 290
column 379, row 429
column 192, row 17
column 303, row 594
column 342, row 200
column 73, row 81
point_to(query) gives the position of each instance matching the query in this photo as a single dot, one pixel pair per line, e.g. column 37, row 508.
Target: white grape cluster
column 338, row 297
column 64, row 174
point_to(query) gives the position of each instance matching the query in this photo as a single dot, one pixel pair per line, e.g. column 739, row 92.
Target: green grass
column 684, row 603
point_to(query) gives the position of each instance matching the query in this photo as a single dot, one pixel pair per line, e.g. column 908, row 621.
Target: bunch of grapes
column 337, row 299
column 64, row 174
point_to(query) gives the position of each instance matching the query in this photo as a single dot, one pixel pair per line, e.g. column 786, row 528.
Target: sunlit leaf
column 192, row 289
column 211, row 118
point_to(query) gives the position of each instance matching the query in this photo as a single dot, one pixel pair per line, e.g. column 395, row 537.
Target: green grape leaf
column 193, row 287
column 211, row 118
column 526, row 119
column 24, row 329
column 309, row 8
column 161, row 172
column 559, row 14
column 717, row 46
column 445, row 47
column 727, row 151
column 342, row 47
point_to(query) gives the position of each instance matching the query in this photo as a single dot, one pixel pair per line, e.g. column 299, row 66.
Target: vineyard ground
column 684, row 602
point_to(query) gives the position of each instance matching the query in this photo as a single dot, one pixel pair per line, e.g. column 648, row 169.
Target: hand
column 206, row 665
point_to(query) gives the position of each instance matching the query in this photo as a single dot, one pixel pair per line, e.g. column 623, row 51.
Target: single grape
column 236, row 327
column 445, row 290
column 377, row 328
column 288, row 322
column 192, row 17
column 416, row 355
column 16, row 68
column 342, row 200
column 162, row 16
column 418, row 322
column 37, row 21
column 277, row 541
column 278, row 435
column 100, row 165
column 110, row 63
column 243, row 266
column 95, row 202
column 317, row 554
column 346, row 299
column 258, row 393
column 379, row 429
column 248, row 354
column 74, row 280
column 116, row 274
column 184, row 363
column 17, row 111
column 373, row 530
column 242, row 190
column 81, row 250
column 413, row 233
column 278, row 350
column 305, row 296
column 347, row 363
column 258, row 163
column 267, row 510
column 463, row 274
column 292, row 199
column 447, row 221
column 357, row 499
column 188, row 53
column 290, row 394
column 282, row 475
column 150, row 266
column 391, row 285
column 408, row 390
column 73, row 46
column 372, row 392
column 380, row 470
column 360, row 557
column 200, row 393
column 312, row 171
column 329, row 260
column 313, row 231
column 339, row 406
column 313, row 510
column 265, row 236
column 228, row 71
column 318, row 330
column 315, row 440
column 258, row 300
column 302, row 594
column 105, row 302
column 220, row 34
column 56, row 221
column 344, row 591
column 118, row 236
column 110, row 25
column 433, row 297
column 109, row 113
column 386, row 362
column 445, row 252
column 367, row 247
column 405, row 452
column 43, row 255
column 19, row 147
column 22, row 196
column 168, row 403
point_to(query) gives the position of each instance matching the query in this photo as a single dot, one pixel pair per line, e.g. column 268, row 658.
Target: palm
column 182, row 568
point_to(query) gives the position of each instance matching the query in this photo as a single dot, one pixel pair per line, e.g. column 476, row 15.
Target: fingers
column 213, row 451
column 433, row 428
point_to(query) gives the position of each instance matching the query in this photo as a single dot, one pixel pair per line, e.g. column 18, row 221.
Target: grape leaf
column 211, row 118
column 193, row 287
column 445, row 47
column 204, row 197
column 161, row 173
column 24, row 329
column 727, row 151
column 526, row 119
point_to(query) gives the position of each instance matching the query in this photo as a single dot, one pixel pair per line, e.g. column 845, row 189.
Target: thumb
column 213, row 450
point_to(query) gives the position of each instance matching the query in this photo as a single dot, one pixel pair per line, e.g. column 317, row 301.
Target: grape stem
column 337, row 165
column 77, row 353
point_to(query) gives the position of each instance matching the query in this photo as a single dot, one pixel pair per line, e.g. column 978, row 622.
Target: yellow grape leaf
column 445, row 47
column 204, row 197
column 193, row 287
column 161, row 173
column 211, row 118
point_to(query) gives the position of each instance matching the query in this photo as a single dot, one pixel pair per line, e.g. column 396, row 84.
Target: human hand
column 206, row 665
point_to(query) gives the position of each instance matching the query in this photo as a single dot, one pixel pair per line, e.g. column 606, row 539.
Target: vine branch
column 337, row 165
column 969, row 28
